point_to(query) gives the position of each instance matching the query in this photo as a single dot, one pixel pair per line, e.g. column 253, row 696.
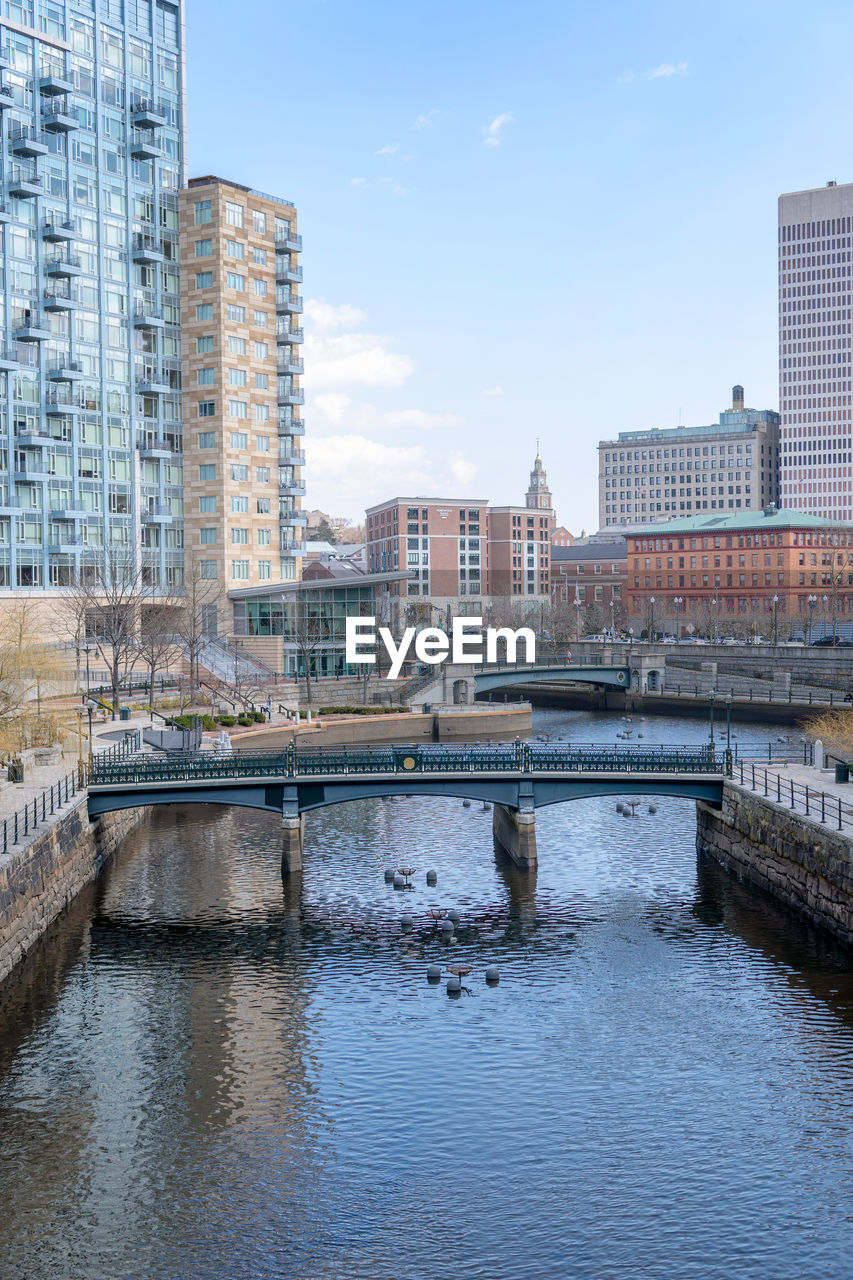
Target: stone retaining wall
column 40, row 878
column 801, row 863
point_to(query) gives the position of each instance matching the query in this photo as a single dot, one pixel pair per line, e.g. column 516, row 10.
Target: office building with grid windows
column 91, row 115
column 242, row 366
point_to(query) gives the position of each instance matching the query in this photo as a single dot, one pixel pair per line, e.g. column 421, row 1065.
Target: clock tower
column 538, row 494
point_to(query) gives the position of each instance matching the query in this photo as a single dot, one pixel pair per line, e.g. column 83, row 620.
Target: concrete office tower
column 92, row 120
column 243, row 455
column 815, row 304
column 647, row 477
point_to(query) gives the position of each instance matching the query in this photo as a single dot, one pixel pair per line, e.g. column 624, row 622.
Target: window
column 239, row 472
column 204, row 279
column 205, row 377
column 259, row 256
column 261, row 319
column 207, row 537
column 262, row 444
column 233, row 214
column 262, row 413
column 262, row 381
column 207, row 408
column 204, row 344
column 239, row 537
column 208, row 568
column 235, row 249
column 204, row 311
column 237, row 408
column 262, row 350
column 264, row 537
column 236, row 315
column 263, row 506
column 207, row 505
column 237, row 346
column 203, row 212
column 235, row 281
column 260, row 288
column 236, row 377
column 259, row 222
column 207, row 440
column 238, row 440
column 262, row 475
column 264, row 568
column 203, row 248
column 239, row 506
column 207, row 471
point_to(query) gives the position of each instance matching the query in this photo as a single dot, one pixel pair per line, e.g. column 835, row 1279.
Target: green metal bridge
column 521, row 776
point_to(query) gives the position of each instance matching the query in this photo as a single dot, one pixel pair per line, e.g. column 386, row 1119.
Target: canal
column 205, row 1074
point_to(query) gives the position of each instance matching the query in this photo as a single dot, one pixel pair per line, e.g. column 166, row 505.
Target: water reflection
column 207, row 1072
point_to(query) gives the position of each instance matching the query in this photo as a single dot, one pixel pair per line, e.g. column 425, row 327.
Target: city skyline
column 623, row 173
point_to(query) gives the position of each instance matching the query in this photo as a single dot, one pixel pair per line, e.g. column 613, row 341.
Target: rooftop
column 238, row 186
column 713, row 522
column 598, row 551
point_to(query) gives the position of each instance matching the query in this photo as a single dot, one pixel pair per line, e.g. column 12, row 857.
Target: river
column 206, row 1075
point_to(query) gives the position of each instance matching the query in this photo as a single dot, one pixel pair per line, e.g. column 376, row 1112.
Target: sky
column 541, row 220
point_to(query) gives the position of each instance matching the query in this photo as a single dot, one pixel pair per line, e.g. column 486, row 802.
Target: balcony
column 58, row 117
column 143, row 145
column 150, row 448
column 7, row 97
column 292, row 545
column 286, row 274
column 291, row 335
column 64, row 371
column 289, row 241
column 296, row 519
column 33, row 328
column 69, row 513
column 146, row 113
column 295, row 458
column 54, row 301
column 5, row 214
column 147, row 251
column 295, row 427
column 26, row 187
column 152, row 381
column 59, row 403
column 26, row 141
column 289, row 363
column 33, row 436
column 9, row 359
column 63, row 267
column 156, row 515
column 291, row 303
column 293, row 490
column 146, row 316
column 54, row 81
column 294, row 396
column 57, row 232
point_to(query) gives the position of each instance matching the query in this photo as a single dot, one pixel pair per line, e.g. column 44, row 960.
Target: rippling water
column 205, row 1074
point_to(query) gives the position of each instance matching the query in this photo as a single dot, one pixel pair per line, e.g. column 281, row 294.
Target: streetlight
column 812, row 603
column 630, row 635
column 612, row 621
column 775, row 621
column 678, row 602
column 577, row 604
column 652, row 619
column 728, row 735
column 825, row 603
column 90, row 707
column 711, row 700
column 714, row 621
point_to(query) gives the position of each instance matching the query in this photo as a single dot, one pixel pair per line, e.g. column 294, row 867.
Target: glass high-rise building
column 91, row 100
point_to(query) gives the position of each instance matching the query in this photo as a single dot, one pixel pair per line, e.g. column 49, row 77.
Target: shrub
column 360, row 711
column 208, row 723
column 258, row 716
column 226, row 721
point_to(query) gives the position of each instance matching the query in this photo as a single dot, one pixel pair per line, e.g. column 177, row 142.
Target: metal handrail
column 796, row 796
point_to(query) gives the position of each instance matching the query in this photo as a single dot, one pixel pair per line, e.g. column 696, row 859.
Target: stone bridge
column 454, row 683
column 516, row 778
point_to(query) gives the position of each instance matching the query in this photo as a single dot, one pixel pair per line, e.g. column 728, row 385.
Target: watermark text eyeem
column 469, row 641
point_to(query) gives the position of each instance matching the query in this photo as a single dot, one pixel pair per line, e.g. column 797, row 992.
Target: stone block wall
column 39, row 878
column 805, row 865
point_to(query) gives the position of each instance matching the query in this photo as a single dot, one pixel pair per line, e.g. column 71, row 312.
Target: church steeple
column 538, row 494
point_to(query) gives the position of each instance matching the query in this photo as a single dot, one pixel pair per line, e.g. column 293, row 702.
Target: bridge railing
column 501, row 758
column 797, row 796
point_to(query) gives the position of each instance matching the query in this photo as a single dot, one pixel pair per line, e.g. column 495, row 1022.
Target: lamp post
column 825, row 603
column 678, row 602
column 612, row 622
column 775, row 621
column 728, row 735
column 651, row 619
column 578, row 608
column 711, row 700
column 87, row 648
column 90, row 707
column 812, row 603
column 714, row 620
column 630, row 635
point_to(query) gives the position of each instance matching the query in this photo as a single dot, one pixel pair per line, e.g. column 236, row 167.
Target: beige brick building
column 241, row 385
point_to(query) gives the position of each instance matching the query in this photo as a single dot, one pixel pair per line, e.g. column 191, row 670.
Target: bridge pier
column 292, row 840
column 515, row 833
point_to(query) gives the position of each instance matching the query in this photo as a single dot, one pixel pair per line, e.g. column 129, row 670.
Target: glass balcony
column 33, row 436
column 286, row 274
column 289, row 240
column 291, row 335
column 9, row 358
column 292, row 458
column 146, row 113
column 151, row 380
column 26, row 186
column 289, row 302
column 144, row 146
column 53, row 81
column 147, row 316
column 293, row 545
column 288, row 363
column 295, row 427
column 58, row 117
column 27, row 141
column 149, row 447
column 156, row 515
column 7, row 97
column 294, row 396
column 294, row 489
column 58, row 404
column 33, row 328
column 57, row 232
column 63, row 267
column 147, row 250
column 64, row 371
column 59, row 301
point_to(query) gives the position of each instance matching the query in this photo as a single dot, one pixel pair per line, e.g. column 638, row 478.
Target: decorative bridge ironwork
column 519, row 775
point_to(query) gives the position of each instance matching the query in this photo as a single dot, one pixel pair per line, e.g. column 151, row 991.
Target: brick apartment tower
column 815, row 311
column 241, row 376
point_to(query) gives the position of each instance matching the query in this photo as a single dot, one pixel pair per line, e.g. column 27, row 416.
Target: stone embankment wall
column 801, row 863
column 40, row 878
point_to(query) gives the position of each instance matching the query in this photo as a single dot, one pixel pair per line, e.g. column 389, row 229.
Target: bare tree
column 200, row 603
column 109, row 596
column 156, row 642
column 310, row 628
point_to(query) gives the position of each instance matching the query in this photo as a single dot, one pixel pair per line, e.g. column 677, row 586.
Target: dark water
column 203, row 1074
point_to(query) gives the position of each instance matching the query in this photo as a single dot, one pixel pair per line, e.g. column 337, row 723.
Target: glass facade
column 91, row 101
column 312, row 625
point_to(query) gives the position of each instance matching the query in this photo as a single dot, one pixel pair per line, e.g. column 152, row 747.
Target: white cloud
column 493, row 131
column 421, row 420
column 336, row 359
column 388, row 150
column 427, row 119
column 462, row 470
column 493, row 391
column 666, row 70
column 351, row 471
column 324, row 317
column 390, row 184
column 332, row 405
